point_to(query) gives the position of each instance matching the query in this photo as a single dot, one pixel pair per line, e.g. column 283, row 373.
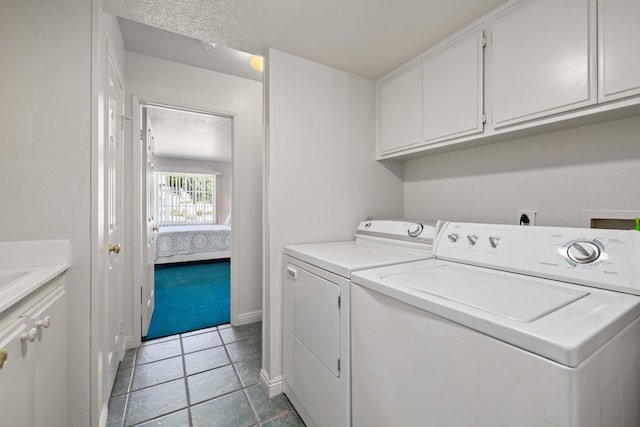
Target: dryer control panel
column 607, row 259
column 393, row 231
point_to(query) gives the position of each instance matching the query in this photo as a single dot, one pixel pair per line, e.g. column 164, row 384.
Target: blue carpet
column 190, row 296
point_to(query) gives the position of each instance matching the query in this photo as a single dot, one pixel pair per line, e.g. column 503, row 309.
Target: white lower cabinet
column 16, row 375
column 33, row 378
column 49, row 318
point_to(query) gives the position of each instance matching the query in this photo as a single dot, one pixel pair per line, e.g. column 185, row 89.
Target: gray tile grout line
column 280, row 414
column 128, row 394
column 243, row 388
column 224, row 344
column 189, row 375
column 253, row 408
column 186, row 381
column 184, row 377
column 157, row 418
column 129, row 385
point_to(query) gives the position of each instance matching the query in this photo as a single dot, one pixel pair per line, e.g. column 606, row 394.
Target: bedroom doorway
column 187, row 207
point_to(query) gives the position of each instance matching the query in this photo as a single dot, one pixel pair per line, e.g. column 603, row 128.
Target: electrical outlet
column 527, row 217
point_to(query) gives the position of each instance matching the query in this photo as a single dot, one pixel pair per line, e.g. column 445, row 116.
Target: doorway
column 187, row 211
column 168, row 81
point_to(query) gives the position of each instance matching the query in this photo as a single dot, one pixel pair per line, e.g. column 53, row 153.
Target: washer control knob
column 493, row 241
column 414, row 230
column 453, row 237
column 583, row 252
column 472, row 238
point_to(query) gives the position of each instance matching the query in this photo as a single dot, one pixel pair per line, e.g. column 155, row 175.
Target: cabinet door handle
column 30, row 336
column 4, row 358
column 45, row 323
column 292, row 272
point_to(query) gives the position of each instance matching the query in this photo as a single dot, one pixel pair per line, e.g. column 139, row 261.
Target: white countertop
column 25, row 266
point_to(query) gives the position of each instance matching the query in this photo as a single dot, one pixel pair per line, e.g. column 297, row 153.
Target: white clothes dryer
column 316, row 335
column 506, row 326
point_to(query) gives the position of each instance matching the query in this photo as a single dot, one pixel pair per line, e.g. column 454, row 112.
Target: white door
column 114, row 290
column 148, row 208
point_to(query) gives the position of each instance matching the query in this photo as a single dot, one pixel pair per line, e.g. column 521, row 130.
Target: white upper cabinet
column 618, row 48
column 548, row 64
column 452, row 88
column 543, row 60
column 400, row 111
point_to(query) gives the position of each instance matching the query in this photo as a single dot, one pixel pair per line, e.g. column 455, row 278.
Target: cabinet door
column 543, row 60
column 400, row 115
column 16, row 376
column 50, row 361
column 618, row 48
column 452, row 86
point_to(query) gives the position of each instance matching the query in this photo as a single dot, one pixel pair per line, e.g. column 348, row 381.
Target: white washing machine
column 316, row 335
column 505, row 326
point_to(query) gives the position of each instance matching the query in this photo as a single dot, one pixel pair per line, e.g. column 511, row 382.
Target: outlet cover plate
column 530, row 214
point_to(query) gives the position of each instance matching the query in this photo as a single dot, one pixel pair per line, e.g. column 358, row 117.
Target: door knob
column 114, row 248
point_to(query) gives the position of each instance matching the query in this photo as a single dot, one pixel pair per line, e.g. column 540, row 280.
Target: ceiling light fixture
column 257, row 62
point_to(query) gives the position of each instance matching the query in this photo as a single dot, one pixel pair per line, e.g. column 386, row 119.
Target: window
column 185, row 198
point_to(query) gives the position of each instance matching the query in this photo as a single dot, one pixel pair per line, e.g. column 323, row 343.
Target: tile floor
column 203, row 378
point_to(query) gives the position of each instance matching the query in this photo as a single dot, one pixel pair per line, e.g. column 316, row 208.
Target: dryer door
column 314, row 314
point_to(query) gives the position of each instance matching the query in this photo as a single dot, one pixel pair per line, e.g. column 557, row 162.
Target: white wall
column 561, row 175
column 322, row 177
column 223, row 181
column 165, row 82
column 45, row 154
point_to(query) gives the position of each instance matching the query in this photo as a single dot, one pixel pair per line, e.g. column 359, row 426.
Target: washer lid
column 522, row 298
column 561, row 321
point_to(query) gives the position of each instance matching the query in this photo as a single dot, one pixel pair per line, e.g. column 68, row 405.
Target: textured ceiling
column 186, row 135
column 365, row 37
column 164, row 44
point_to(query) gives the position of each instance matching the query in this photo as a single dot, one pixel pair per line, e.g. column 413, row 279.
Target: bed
column 182, row 243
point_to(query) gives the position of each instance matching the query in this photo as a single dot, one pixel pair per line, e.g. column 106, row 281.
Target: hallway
column 203, row 378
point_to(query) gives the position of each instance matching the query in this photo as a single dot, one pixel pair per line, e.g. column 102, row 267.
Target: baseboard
column 130, row 342
column 273, row 387
column 246, row 318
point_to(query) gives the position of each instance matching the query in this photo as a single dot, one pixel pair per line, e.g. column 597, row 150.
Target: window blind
column 185, row 199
